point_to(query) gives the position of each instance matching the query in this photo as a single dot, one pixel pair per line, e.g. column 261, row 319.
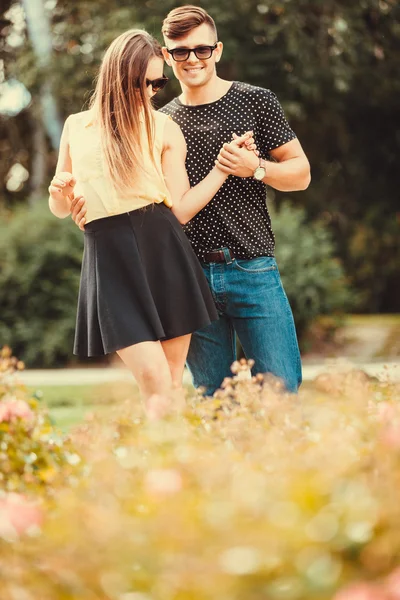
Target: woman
column 142, row 290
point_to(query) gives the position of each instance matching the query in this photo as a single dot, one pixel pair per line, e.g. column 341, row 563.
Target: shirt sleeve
column 273, row 127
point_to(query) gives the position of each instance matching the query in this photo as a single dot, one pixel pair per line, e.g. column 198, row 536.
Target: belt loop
column 227, row 256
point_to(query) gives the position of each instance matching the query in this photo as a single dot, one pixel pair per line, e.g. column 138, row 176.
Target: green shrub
column 313, row 277
column 40, row 258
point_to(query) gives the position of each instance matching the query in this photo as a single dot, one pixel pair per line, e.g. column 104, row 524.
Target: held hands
column 239, row 157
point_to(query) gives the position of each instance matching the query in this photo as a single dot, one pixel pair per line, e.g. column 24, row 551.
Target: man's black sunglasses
column 157, row 84
column 201, row 52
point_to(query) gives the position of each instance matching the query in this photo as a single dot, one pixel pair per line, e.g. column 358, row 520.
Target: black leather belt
column 217, row 256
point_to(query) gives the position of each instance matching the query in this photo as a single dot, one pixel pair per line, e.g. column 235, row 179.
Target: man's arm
column 290, row 172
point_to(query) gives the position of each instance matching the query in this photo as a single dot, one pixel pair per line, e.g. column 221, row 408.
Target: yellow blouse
column 94, row 184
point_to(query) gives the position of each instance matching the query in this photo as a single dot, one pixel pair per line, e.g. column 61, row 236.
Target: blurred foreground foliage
column 40, row 259
column 35, row 459
column 251, row 494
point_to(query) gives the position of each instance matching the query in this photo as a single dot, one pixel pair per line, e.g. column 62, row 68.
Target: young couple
column 153, row 292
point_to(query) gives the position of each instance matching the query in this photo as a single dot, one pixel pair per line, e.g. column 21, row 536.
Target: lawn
column 69, row 404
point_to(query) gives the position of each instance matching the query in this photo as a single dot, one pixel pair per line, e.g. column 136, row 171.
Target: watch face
column 259, row 173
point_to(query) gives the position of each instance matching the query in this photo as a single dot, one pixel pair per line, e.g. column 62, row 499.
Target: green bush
column 40, row 259
column 313, row 277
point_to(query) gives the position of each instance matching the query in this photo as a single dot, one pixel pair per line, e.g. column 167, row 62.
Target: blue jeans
column 251, row 302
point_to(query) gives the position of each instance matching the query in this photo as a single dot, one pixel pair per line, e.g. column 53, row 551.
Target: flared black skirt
column 140, row 281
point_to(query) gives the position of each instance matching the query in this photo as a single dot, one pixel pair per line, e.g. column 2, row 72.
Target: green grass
column 68, row 405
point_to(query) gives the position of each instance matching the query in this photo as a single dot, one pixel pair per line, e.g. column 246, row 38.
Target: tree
column 332, row 63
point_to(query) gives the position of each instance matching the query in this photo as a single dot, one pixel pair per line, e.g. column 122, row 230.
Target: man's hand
column 78, row 211
column 235, row 158
column 62, row 185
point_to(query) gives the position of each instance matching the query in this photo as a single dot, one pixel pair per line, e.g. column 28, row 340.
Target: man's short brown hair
column 183, row 19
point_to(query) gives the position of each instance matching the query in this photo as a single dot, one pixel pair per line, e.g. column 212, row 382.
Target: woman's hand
column 249, row 143
column 239, row 157
column 62, row 185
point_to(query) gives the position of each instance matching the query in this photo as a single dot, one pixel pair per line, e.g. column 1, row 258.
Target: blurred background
column 335, row 68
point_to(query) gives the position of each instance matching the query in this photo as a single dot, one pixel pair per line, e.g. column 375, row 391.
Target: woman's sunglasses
column 157, row 84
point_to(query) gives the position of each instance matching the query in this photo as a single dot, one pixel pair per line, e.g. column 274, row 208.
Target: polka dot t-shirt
column 237, row 217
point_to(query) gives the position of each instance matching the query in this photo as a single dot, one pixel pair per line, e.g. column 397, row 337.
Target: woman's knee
column 154, row 375
column 148, row 365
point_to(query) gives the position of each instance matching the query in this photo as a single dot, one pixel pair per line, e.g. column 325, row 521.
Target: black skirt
column 140, row 281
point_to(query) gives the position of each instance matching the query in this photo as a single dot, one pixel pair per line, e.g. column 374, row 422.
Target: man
column 232, row 235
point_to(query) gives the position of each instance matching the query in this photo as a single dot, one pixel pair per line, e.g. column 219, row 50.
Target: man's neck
column 212, row 91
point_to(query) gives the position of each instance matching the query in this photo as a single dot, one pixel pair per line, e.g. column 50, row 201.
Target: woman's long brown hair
column 120, row 102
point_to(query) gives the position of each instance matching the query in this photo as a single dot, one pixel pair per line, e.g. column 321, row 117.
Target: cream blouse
column 92, row 180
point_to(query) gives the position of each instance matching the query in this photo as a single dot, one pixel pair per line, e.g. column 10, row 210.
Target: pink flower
column 15, row 409
column 391, row 436
column 18, row 514
column 4, row 412
column 362, row 591
column 21, row 409
column 392, row 584
column 385, row 411
column 163, row 482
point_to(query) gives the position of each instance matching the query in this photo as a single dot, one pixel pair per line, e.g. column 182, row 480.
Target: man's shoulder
column 253, row 91
column 170, row 108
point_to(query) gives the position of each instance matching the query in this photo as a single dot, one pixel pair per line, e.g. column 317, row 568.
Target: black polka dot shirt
column 237, row 217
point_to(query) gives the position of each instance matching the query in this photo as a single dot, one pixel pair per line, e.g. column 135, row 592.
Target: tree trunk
column 39, row 30
column 38, row 177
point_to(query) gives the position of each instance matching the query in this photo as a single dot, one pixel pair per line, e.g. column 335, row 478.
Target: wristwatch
column 261, row 170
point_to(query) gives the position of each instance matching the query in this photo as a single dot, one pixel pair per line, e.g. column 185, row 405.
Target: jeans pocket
column 260, row 264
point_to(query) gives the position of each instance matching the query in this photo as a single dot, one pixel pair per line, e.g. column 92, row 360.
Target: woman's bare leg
column 176, row 351
column 149, row 366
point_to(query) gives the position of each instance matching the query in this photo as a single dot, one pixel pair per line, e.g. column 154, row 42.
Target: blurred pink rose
column 392, row 584
column 390, row 436
column 17, row 514
column 4, row 412
column 21, row 409
column 163, row 482
column 362, row 591
column 385, row 411
column 15, row 409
